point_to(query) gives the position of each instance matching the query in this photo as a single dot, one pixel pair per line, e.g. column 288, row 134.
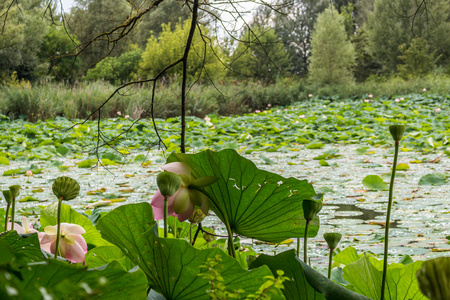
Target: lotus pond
column 334, row 145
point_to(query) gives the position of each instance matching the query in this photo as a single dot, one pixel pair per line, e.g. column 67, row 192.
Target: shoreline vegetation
column 46, row 100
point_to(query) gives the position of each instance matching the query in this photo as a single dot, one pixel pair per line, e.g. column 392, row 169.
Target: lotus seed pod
column 208, row 237
column 397, row 131
column 197, row 216
column 65, row 188
column 434, row 278
column 168, row 183
column 8, row 196
column 15, row 191
column 332, row 239
column 311, row 208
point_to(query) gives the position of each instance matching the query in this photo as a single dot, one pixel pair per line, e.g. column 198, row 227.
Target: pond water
column 420, row 217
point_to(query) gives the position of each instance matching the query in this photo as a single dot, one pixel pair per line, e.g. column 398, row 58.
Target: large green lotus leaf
column 26, row 248
column 306, row 283
column 64, row 281
column 433, row 179
column 69, row 215
column 100, row 256
column 256, row 203
column 401, row 283
column 374, row 182
column 172, row 265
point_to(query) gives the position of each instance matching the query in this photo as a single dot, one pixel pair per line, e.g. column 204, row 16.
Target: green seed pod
column 15, row 191
column 434, row 278
column 311, row 208
column 168, row 183
column 197, row 216
column 208, row 237
column 332, row 239
column 65, row 188
column 397, row 131
column 8, row 196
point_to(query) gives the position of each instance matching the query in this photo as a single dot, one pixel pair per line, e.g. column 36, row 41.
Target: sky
column 67, row 4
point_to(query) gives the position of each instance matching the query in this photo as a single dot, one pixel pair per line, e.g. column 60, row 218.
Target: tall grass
column 39, row 102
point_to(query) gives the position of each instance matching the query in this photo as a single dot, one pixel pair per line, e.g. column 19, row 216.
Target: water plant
column 8, row 198
column 434, row 278
column 168, row 184
column 310, row 210
column 65, row 189
column 397, row 132
column 332, row 239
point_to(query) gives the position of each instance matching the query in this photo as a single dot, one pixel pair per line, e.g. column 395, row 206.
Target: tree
column 397, row 22
column 117, row 70
column 204, row 57
column 260, row 54
column 21, row 38
column 332, row 54
column 417, row 59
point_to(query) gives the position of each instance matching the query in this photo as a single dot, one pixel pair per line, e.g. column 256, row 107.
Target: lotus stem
column 174, row 227
column 305, row 246
column 166, row 209
column 330, row 262
column 190, row 233
column 13, row 209
column 388, row 216
column 298, row 247
column 58, row 231
column 6, row 216
column 231, row 250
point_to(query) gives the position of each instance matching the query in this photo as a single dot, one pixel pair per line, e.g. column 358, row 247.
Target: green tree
column 21, row 38
column 397, row 22
column 203, row 59
column 417, row 59
column 57, row 50
column 117, row 70
column 332, row 54
column 260, row 54
column 89, row 18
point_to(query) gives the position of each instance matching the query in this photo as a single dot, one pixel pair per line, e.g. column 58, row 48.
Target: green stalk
column 58, row 232
column 388, row 216
column 12, row 212
column 190, row 233
column 6, row 216
column 231, row 250
column 166, row 210
column 305, row 249
column 330, row 262
column 174, row 227
column 298, row 247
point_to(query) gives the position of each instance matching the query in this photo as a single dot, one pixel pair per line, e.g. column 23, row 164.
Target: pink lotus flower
column 397, row 100
column 119, row 113
column 29, row 173
column 127, row 116
column 257, row 111
column 366, row 100
column 183, row 202
column 401, row 99
column 370, row 96
column 26, row 227
column 269, row 105
column 72, row 245
column 302, row 116
column 310, row 95
column 438, row 109
column 424, row 90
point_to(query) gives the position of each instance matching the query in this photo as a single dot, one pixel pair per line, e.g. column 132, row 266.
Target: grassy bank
column 40, row 102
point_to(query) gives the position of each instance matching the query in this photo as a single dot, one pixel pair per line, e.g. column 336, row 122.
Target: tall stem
column 12, row 212
column 58, row 232
column 6, row 216
column 330, row 262
column 190, row 233
column 305, row 249
column 166, row 210
column 298, row 247
column 388, row 216
column 174, row 227
column 231, row 250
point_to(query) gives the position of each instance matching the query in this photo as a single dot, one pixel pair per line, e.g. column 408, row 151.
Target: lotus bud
column 332, row 239
column 168, row 183
column 208, row 237
column 397, row 131
column 197, row 216
column 204, row 181
column 8, row 196
column 15, row 191
column 311, row 208
column 65, row 188
column 434, row 278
